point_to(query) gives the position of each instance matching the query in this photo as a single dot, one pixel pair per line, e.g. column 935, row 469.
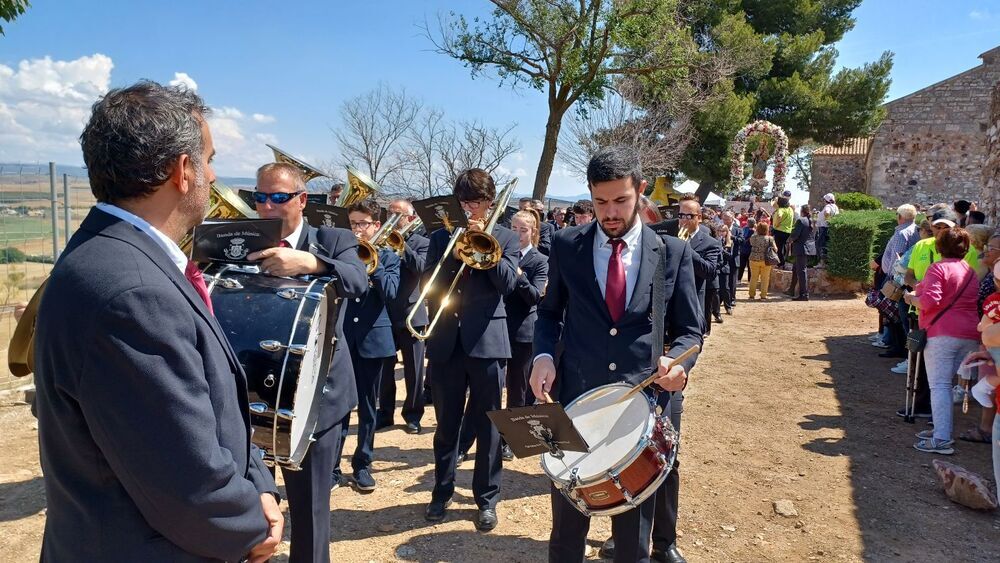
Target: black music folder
column 327, row 216
column 247, row 197
column 538, row 429
column 317, row 199
column 441, row 211
column 231, row 240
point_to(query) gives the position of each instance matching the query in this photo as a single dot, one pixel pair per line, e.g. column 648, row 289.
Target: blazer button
column 612, row 366
column 456, row 315
column 357, row 300
column 355, row 319
column 614, row 332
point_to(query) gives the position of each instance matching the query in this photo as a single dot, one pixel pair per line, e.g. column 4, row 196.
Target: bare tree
column 374, row 125
column 417, row 177
column 471, row 144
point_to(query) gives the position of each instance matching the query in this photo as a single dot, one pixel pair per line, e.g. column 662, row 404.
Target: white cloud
column 262, row 118
column 239, row 141
column 44, row 105
column 980, row 15
column 182, row 78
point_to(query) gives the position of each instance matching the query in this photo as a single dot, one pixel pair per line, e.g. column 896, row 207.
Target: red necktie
column 614, row 289
column 193, row 275
column 284, row 244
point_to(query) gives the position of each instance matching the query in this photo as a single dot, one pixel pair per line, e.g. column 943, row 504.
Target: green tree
column 800, row 92
column 572, row 50
column 10, row 9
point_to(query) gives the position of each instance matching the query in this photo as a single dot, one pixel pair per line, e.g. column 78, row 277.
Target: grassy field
column 14, row 230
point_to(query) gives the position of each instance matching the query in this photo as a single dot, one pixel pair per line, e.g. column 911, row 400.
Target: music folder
column 440, row 211
column 538, row 429
column 231, row 240
column 323, row 215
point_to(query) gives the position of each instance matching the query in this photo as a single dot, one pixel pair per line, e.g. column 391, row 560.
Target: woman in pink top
column 947, row 299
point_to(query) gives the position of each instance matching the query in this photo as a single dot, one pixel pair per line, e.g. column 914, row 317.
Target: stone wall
column 931, row 146
column 836, row 174
column 991, row 167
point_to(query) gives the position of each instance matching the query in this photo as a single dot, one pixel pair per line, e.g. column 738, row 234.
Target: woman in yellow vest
column 782, row 222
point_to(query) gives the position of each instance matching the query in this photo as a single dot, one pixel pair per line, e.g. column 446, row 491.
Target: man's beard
column 625, row 228
column 195, row 205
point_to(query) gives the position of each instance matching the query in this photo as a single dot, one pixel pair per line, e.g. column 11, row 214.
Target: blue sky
column 278, row 72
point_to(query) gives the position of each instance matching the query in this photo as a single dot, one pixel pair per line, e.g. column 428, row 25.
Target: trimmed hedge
column 854, row 201
column 11, row 255
column 856, row 238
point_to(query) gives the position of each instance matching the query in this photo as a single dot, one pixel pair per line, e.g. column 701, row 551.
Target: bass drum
column 282, row 331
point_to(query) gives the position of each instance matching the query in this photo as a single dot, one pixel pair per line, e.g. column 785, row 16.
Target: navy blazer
column 338, row 249
column 412, row 267
column 596, row 351
column 707, row 255
column 522, row 304
column 368, row 328
column 803, row 238
column 545, row 231
column 477, row 316
column 143, row 419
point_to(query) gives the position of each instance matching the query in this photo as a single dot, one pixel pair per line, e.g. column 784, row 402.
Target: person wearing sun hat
column 830, row 210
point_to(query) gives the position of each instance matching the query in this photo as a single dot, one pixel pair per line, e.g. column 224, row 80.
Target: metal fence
column 40, row 208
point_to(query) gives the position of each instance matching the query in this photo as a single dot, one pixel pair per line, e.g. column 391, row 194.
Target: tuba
column 368, row 250
column 309, row 171
column 478, row 250
column 223, row 203
column 359, row 188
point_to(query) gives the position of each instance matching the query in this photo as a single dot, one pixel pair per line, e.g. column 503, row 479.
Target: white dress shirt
column 631, row 258
column 293, row 239
column 162, row 240
column 524, row 251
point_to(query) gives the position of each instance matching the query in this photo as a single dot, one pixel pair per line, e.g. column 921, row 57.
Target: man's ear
column 179, row 174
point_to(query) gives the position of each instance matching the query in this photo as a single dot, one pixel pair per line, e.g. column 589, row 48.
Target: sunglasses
column 687, row 215
column 276, row 198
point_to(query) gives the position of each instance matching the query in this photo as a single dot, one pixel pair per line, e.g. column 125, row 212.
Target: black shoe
column 789, row 293
column 670, row 555
column 892, row 354
column 336, row 480
column 383, row 424
column 729, row 309
column 486, row 520
column 461, row 458
column 364, row 481
column 902, row 413
column 717, row 318
column 436, row 511
column 608, row 549
column 506, row 453
column 412, row 428
column 801, row 298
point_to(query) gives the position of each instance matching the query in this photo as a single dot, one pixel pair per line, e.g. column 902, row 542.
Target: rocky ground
column 791, row 452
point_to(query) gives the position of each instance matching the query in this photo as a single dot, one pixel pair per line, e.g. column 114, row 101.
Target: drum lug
column 618, row 484
column 285, row 414
column 225, row 283
column 275, row 346
column 298, row 349
column 289, row 293
column 258, row 408
column 245, row 268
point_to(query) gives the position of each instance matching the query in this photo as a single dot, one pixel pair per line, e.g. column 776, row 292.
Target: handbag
column 771, row 255
column 916, row 340
column 892, row 290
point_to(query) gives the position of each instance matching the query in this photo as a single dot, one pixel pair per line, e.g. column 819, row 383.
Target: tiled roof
column 852, row 147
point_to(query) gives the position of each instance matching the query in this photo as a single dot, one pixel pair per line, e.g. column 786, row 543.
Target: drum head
column 312, row 376
column 613, row 430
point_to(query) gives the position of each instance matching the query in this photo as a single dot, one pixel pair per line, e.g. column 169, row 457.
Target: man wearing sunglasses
column 304, row 249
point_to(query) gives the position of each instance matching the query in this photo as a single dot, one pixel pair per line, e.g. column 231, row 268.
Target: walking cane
column 911, row 388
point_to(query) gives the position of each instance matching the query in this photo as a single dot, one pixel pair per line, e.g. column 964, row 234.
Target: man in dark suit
column 412, row 348
column 466, row 349
column 304, row 249
column 736, row 236
column 369, row 338
column 599, row 303
column 143, row 417
column 803, row 239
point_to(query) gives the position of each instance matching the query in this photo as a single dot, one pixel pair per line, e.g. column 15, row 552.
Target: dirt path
column 788, row 402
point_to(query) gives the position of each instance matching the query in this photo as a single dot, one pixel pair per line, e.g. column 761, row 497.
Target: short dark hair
column 475, row 184
column 369, row 207
column 953, row 243
column 614, row 163
column 583, row 206
column 783, row 201
column 962, row 206
column 135, row 136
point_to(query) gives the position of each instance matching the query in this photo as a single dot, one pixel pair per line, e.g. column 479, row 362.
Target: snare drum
column 281, row 330
column 631, row 451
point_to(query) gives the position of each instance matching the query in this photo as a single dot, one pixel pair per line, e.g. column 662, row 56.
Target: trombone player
column 468, row 345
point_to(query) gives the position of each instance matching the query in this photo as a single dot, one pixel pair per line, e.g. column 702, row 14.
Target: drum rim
column 627, row 460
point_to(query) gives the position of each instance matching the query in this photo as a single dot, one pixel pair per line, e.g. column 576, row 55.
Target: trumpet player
column 368, row 332
column 412, row 260
column 466, row 349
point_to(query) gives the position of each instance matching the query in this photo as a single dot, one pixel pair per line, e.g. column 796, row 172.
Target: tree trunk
column 704, row 188
column 548, row 157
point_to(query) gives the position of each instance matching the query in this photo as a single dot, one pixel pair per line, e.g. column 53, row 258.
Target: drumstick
column 687, row 353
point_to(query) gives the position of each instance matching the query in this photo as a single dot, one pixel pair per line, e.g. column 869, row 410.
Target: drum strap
column 659, row 304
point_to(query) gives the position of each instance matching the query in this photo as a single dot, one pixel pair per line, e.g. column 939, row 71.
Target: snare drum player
column 466, row 349
column 598, row 303
column 143, row 425
column 304, row 249
column 369, row 338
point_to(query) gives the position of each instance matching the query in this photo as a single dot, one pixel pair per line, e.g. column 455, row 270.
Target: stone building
column 838, row 169
column 991, row 166
column 931, row 145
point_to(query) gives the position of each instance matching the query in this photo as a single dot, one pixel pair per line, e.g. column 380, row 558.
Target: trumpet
column 683, row 233
column 368, row 250
column 478, row 250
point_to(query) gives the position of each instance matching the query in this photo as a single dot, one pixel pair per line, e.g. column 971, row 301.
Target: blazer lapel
column 585, row 257
column 650, row 254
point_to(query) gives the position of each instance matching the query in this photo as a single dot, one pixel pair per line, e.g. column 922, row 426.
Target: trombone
column 478, row 250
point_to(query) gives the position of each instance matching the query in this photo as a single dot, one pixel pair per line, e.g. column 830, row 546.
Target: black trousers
column 413, row 377
column 308, row 495
column 483, row 380
column 799, row 276
column 630, row 530
column 710, row 307
column 517, row 375
column 665, row 511
column 367, row 375
column 781, row 239
column 743, row 267
column 725, row 289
